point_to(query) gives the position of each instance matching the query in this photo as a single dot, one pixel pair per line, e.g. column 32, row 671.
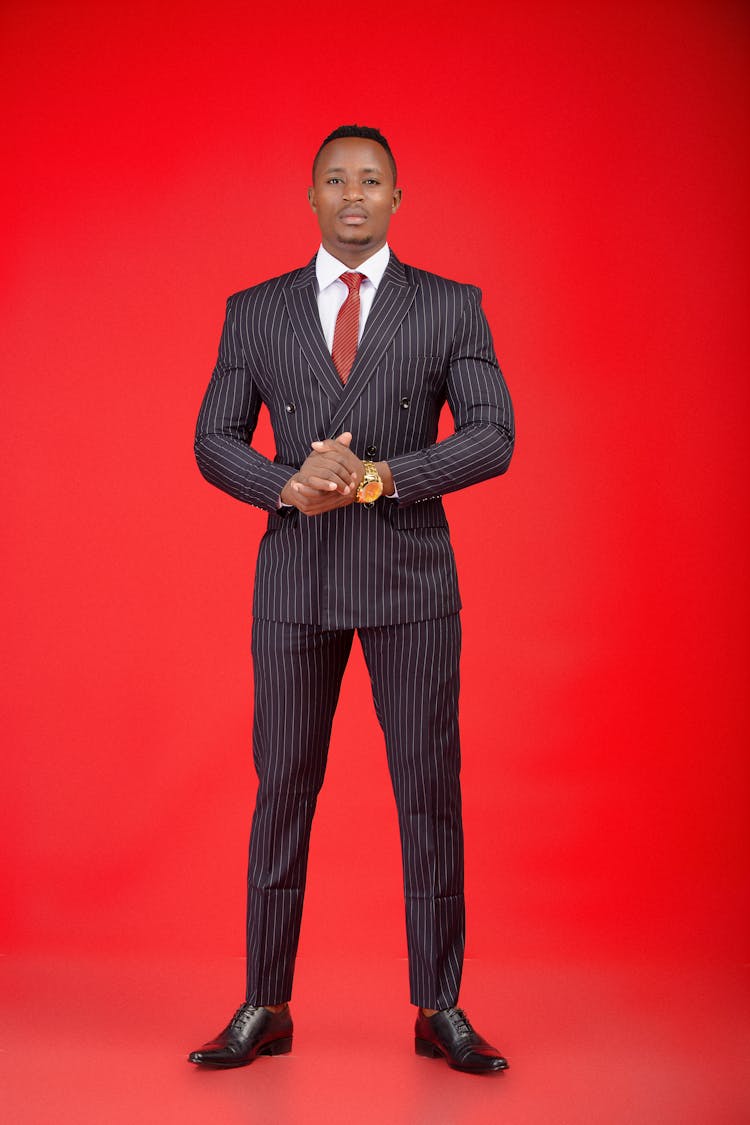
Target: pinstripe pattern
column 415, row 679
column 414, row 674
column 387, row 571
column 426, row 342
column 297, row 676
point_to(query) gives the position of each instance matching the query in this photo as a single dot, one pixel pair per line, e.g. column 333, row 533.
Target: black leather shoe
column 450, row 1036
column 250, row 1032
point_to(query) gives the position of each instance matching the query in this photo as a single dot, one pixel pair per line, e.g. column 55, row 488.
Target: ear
column 311, row 198
column 396, row 203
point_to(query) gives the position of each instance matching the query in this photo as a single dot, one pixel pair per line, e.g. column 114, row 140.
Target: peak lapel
column 393, row 300
column 302, row 307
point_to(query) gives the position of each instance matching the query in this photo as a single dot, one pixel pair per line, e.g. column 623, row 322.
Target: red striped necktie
column 346, row 332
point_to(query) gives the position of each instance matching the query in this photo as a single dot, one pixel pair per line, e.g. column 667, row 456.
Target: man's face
column 353, row 196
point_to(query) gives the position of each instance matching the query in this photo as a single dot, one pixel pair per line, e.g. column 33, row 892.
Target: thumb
column 321, row 446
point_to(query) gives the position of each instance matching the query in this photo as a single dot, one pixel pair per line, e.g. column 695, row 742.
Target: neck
column 353, row 256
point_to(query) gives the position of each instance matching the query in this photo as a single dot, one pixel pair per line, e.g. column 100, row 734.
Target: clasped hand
column 328, row 479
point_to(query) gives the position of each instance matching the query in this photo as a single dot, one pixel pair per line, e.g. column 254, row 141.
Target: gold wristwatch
column 371, row 486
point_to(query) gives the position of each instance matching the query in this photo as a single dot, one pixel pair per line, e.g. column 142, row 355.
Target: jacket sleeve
column 226, row 423
column 482, row 442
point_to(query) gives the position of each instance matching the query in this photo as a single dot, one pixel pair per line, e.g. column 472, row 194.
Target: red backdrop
column 587, row 166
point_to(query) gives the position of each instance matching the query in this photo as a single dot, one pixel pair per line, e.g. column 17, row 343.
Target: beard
column 356, row 240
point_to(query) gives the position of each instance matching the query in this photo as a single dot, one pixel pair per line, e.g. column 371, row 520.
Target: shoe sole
column 276, row 1047
column 430, row 1051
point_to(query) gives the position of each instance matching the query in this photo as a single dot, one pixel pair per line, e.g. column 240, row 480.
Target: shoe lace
column 242, row 1015
column 459, row 1021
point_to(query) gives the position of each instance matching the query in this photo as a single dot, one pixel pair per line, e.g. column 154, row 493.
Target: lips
column 353, row 218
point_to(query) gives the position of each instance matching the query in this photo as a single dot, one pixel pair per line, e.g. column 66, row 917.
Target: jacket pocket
column 427, row 513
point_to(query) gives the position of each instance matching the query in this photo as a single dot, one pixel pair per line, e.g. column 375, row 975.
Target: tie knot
column 352, row 281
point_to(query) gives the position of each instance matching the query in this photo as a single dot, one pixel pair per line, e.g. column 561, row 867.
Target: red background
column 587, row 166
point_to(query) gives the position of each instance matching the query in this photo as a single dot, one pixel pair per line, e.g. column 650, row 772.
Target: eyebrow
column 327, row 171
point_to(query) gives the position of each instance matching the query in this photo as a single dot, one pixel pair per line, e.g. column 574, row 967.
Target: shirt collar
column 328, row 268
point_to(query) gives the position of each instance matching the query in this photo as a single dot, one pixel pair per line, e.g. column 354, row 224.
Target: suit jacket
column 426, row 341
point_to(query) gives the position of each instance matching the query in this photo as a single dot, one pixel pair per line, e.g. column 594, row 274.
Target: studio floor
column 105, row 1041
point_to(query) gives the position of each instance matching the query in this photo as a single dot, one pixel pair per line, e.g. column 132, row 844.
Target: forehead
column 353, row 154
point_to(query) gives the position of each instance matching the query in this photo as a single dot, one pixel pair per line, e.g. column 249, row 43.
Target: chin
column 356, row 240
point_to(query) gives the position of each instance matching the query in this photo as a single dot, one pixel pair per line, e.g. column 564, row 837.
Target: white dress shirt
column 332, row 292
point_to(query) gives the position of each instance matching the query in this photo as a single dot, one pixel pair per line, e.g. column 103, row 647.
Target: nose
column 352, row 191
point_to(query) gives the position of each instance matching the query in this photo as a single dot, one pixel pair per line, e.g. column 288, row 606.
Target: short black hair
column 364, row 131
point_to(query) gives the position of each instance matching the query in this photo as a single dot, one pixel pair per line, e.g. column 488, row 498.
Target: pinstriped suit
column 387, row 571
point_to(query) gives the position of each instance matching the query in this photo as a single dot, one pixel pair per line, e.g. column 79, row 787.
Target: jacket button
column 404, row 404
column 290, row 408
column 371, row 451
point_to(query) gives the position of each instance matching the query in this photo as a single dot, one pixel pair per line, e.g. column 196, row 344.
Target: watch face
column 371, row 491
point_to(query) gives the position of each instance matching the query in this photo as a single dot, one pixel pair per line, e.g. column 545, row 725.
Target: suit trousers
column 414, row 671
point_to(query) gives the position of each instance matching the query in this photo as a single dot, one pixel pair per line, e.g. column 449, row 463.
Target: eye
column 375, row 182
column 334, row 180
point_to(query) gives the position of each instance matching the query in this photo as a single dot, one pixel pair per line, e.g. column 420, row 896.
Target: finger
column 310, row 489
column 321, row 502
column 321, row 487
column 328, row 467
column 324, row 484
column 344, row 439
column 320, row 476
column 336, row 457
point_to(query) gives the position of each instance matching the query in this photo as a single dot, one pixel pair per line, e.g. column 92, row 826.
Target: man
column 354, row 356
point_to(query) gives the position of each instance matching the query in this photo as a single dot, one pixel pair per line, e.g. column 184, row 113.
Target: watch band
column 370, row 488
